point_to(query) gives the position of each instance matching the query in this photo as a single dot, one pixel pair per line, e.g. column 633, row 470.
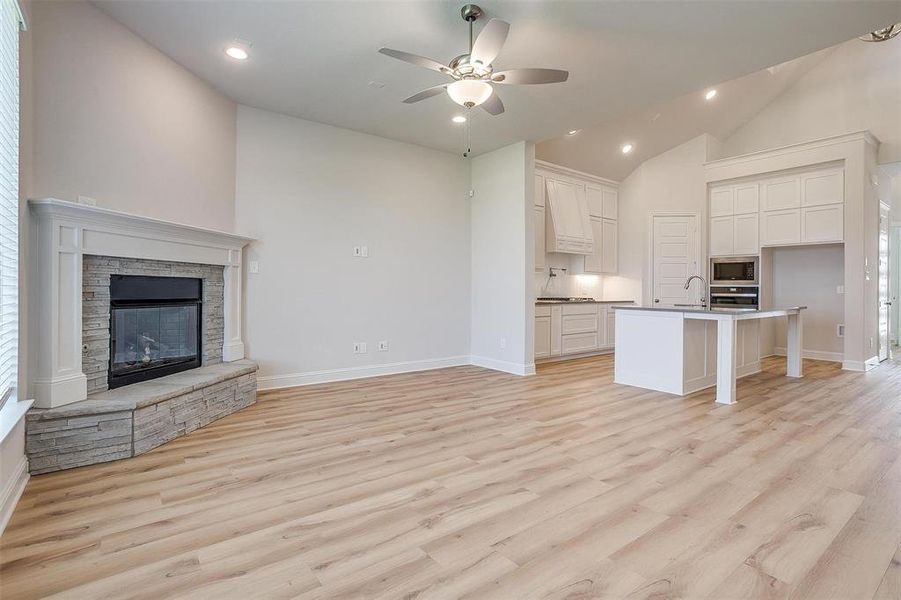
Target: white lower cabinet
column 542, row 331
column 576, row 343
column 571, row 329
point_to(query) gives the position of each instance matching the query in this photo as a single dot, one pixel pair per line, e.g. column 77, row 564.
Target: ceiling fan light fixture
column 882, row 35
column 469, row 92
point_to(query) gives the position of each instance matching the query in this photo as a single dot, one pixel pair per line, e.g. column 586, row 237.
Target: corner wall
column 503, row 259
column 116, row 120
column 310, row 193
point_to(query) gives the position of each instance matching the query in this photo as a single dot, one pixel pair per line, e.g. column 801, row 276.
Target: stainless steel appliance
column 735, row 296
column 737, row 270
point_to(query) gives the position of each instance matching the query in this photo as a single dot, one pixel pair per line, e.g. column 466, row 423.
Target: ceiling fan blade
column 426, row 93
column 530, row 76
column 490, row 41
column 493, row 105
column 415, row 59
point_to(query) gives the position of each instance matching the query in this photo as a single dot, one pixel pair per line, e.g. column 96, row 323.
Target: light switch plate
column 253, row 266
column 358, row 251
column 383, row 346
column 364, row 251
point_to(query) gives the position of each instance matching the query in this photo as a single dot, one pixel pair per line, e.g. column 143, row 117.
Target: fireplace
column 155, row 327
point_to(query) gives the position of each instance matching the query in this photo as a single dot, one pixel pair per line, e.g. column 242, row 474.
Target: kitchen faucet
column 704, row 282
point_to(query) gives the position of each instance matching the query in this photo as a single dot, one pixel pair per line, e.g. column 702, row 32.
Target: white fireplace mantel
column 62, row 233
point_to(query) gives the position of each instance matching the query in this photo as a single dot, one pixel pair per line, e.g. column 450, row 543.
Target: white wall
column 116, row 120
column 310, row 193
column 503, row 259
column 671, row 182
column 809, row 276
column 856, row 87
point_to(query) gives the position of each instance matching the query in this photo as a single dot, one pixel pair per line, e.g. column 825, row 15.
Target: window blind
column 10, row 23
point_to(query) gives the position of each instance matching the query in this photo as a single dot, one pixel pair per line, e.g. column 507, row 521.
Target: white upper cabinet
column 576, row 208
column 722, row 236
column 609, row 258
column 594, row 262
column 568, row 222
column 747, row 199
column 721, row 202
column 823, row 223
column 594, row 195
column 802, row 208
column 746, row 234
column 540, row 190
column 609, row 201
column 780, row 227
column 781, row 193
column 823, row 187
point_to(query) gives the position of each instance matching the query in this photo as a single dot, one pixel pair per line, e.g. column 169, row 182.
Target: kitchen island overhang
column 682, row 350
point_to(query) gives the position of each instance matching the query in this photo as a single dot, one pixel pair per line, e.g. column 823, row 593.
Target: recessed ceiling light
column 710, row 95
column 459, row 119
column 237, row 52
column 573, row 131
column 376, row 84
column 627, row 148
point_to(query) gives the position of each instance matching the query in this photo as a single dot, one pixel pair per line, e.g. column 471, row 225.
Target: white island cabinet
column 683, row 350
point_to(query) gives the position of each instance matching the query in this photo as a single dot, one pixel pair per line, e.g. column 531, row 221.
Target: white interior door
column 675, row 259
column 885, row 303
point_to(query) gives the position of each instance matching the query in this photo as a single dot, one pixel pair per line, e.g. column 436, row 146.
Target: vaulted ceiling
column 316, row 59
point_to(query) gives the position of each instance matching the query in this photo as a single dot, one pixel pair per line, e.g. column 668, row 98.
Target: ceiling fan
column 473, row 73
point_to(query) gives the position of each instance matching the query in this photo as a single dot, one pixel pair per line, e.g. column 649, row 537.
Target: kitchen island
column 681, row 350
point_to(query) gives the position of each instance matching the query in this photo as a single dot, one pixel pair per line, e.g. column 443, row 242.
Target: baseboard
column 502, row 365
column 272, row 382
column 12, row 492
column 551, row 359
column 814, row 355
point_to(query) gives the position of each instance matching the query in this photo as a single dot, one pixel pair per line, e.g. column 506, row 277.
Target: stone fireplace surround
column 75, row 250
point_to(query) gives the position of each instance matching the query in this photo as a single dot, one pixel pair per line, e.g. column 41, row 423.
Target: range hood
column 568, row 223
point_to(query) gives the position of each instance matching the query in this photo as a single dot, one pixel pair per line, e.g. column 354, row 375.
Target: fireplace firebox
column 155, row 327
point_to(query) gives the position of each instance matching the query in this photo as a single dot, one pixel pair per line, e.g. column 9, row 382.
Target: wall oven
column 734, row 296
column 744, row 270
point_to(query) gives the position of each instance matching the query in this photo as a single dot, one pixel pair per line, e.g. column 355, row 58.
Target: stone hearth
column 131, row 420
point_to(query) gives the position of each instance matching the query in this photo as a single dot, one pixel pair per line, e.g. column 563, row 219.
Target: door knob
column 656, row 300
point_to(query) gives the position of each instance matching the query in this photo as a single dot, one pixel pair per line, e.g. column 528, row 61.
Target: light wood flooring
column 466, row 483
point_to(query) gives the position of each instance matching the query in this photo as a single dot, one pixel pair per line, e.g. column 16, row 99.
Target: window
column 10, row 23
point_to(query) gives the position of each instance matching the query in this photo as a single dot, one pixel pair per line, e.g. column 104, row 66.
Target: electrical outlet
column 503, row 343
column 383, row 346
column 358, row 251
column 840, row 330
column 359, row 347
column 839, row 289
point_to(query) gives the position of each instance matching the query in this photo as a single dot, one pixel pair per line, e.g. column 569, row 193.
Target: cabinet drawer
column 543, row 311
column 589, row 308
column 580, row 342
column 580, row 324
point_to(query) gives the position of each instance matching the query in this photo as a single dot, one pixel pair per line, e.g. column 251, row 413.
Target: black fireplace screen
column 155, row 327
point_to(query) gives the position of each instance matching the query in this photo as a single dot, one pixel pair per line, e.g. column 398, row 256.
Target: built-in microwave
column 741, row 270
